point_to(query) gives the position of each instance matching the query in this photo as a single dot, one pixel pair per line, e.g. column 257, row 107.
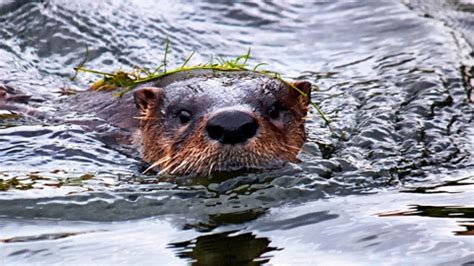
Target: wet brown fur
column 272, row 146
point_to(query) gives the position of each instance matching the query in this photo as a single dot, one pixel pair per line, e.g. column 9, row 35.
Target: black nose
column 231, row 127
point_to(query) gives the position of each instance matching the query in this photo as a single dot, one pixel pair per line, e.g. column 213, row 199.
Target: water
column 395, row 78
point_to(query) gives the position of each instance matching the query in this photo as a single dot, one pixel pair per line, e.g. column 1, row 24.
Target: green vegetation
column 56, row 178
column 8, row 115
column 13, row 183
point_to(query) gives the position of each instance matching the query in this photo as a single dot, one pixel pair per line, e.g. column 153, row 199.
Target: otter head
column 222, row 122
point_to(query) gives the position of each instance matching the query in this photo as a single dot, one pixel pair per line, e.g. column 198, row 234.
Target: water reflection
column 228, row 248
column 451, row 212
column 435, row 212
column 442, row 187
column 221, row 219
column 42, row 237
column 468, row 229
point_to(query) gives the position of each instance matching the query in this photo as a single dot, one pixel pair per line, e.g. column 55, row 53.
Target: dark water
column 395, row 78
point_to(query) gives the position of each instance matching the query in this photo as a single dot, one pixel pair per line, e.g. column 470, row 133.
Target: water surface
column 394, row 77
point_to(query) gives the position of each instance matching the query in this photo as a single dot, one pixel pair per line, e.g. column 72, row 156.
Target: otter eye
column 274, row 111
column 184, row 116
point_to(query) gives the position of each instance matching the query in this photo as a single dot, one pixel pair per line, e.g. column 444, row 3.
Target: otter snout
column 232, row 127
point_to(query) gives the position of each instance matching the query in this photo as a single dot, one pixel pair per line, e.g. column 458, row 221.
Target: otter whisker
column 208, row 152
column 157, row 163
column 164, row 170
column 145, row 118
column 291, row 147
column 181, row 165
column 211, row 167
column 192, row 162
column 201, row 158
column 150, row 167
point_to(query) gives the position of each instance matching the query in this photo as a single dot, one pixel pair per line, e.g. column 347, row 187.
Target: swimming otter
column 204, row 121
column 201, row 121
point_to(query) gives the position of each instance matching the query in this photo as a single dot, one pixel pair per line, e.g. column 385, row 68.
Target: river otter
column 202, row 121
column 219, row 121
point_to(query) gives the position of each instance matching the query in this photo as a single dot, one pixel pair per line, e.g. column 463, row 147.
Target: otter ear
column 303, row 92
column 147, row 98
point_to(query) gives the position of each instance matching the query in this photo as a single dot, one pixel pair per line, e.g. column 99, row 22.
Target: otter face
column 222, row 123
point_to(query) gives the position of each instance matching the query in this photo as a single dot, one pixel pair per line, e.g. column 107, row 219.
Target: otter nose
column 231, row 127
